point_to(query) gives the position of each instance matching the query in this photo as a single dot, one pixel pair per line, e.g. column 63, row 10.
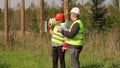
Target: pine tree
column 98, row 14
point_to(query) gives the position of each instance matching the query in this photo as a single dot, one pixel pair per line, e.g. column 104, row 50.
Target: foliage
column 100, row 17
column 116, row 3
column 98, row 14
column 35, row 23
column 0, row 11
column 112, row 18
column 1, row 25
column 10, row 18
column 1, row 20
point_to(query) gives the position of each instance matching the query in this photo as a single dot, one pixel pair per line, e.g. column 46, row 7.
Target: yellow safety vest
column 57, row 37
column 78, row 39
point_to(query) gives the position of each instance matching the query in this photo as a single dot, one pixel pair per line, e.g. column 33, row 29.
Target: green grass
column 95, row 59
column 101, row 50
column 23, row 59
column 32, row 59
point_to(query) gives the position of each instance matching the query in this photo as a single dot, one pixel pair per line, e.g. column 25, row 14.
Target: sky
column 13, row 3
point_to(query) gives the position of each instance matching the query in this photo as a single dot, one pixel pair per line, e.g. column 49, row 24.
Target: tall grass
column 101, row 50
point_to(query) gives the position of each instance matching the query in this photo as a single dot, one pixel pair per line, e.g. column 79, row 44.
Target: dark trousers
column 74, row 54
column 58, row 54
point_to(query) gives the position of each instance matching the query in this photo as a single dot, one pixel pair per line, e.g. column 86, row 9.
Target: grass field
column 25, row 59
column 32, row 59
column 101, row 50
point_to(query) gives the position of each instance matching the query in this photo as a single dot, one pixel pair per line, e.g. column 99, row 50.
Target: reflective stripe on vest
column 57, row 37
column 78, row 39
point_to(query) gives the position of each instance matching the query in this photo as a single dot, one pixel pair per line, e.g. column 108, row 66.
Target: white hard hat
column 75, row 10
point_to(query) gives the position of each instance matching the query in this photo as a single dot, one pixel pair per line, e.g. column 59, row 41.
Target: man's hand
column 49, row 25
column 59, row 28
column 65, row 46
column 66, row 29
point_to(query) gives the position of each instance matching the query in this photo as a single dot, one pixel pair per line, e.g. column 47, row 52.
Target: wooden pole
column 66, row 9
column 6, row 22
column 41, row 19
column 22, row 18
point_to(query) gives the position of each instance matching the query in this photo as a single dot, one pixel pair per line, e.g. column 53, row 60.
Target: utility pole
column 23, row 18
column 6, row 22
column 66, row 9
column 41, row 19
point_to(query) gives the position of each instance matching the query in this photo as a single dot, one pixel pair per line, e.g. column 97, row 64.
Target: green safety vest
column 57, row 37
column 78, row 39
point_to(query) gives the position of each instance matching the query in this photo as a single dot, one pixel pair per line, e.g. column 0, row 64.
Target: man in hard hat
column 75, row 37
column 57, row 41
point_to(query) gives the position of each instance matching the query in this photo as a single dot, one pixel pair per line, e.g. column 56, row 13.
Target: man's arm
column 73, row 32
column 51, row 31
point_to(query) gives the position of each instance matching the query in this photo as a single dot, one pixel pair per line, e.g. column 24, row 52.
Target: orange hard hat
column 60, row 16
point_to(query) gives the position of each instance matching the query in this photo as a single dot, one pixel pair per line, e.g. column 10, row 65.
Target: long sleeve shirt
column 72, row 33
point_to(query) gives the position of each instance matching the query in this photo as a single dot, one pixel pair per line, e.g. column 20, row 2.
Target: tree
column 10, row 16
column 98, row 14
column 113, row 15
column 116, row 3
column 0, row 11
column 34, row 25
column 1, row 20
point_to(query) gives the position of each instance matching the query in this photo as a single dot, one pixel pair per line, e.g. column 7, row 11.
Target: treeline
column 89, row 15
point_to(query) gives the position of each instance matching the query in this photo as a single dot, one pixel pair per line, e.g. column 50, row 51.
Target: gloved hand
column 51, row 23
column 50, row 27
column 65, row 46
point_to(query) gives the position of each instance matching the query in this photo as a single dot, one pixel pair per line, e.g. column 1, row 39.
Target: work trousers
column 74, row 54
column 58, row 54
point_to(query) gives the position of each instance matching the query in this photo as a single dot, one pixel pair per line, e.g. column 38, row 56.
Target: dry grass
column 100, row 50
column 102, row 44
